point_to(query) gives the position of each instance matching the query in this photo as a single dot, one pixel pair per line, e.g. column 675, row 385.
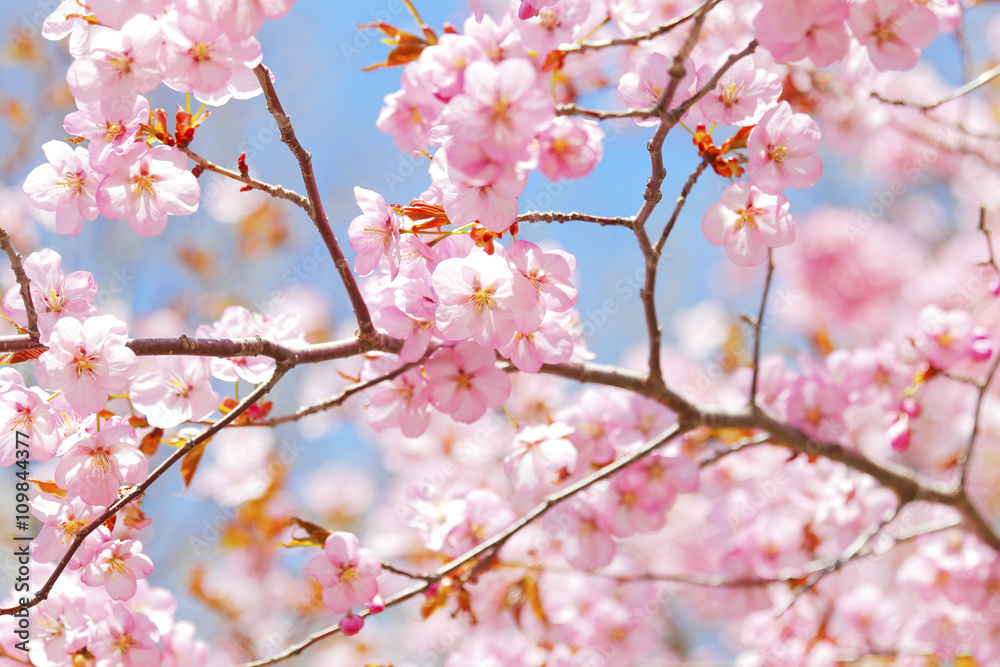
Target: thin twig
column 552, row 216
column 139, row 489
column 980, row 80
column 746, row 443
column 366, row 330
column 639, row 37
column 276, row 191
column 22, row 279
column 487, row 548
column 757, row 322
column 966, row 457
column 989, row 239
column 852, row 552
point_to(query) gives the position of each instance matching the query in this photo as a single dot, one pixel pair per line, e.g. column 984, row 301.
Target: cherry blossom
column 147, row 185
column 646, row 87
column 87, row 361
column 179, row 391
column 97, row 463
column 239, row 18
column 374, row 234
column 539, row 453
column 741, row 96
column 54, row 294
column 67, row 185
column 24, row 410
column 464, row 381
column 346, row 571
column 111, row 126
column 481, row 298
column 781, row 148
column 747, row 222
column 119, row 64
column 117, row 565
column 893, row 31
column 125, row 638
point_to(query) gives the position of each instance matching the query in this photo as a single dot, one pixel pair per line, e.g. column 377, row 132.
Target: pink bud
column 377, row 605
column 982, row 346
column 910, row 406
column 899, row 434
column 351, row 625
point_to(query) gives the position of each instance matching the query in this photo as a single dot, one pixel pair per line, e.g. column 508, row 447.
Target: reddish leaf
column 190, row 464
column 151, row 441
column 315, row 535
column 48, row 487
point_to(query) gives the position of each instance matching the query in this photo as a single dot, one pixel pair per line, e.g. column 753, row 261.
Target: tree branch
column 22, row 279
column 756, row 323
column 552, row 216
column 366, row 330
column 139, row 489
column 274, row 190
column 980, row 80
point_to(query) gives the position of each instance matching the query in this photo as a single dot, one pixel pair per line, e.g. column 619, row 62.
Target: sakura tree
column 811, row 483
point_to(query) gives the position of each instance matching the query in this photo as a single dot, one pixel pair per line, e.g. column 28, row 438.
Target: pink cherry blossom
column 747, row 222
column 351, row 624
column 569, row 148
column 238, row 322
column 741, row 96
column 481, row 298
column 98, row 463
column 541, row 454
column 529, row 8
column 119, row 64
column 374, row 234
column 346, row 571
column 793, row 30
column 86, row 361
column 548, row 271
column 488, row 198
column 67, row 185
column 500, row 109
column 180, row 390
column 125, row 639
column 402, row 403
column 181, row 649
column 482, row 515
column 550, row 343
column 239, row 18
column 24, row 410
column 54, row 294
column 781, row 148
column 62, row 519
column 464, row 381
column 893, row 31
column 947, row 337
column 645, row 87
column 408, row 115
column 111, row 126
column 588, row 543
column 117, row 565
column 200, row 58
column 146, row 185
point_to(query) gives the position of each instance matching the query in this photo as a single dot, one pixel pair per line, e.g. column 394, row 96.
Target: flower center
column 748, row 216
column 481, row 299
column 884, row 32
column 349, row 574
column 124, row 643
column 73, row 181
column 777, row 153
column 113, row 130
column 731, row 95
column 201, row 52
column 84, row 363
column 121, row 64
column 144, row 183
column 71, row 528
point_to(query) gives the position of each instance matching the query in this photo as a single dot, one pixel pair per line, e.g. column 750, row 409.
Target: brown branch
column 366, row 330
column 756, row 323
column 980, row 80
column 491, row 545
column 22, row 279
column 989, row 239
column 853, row 551
column 966, row 457
column 240, row 347
column 639, row 37
column 139, row 489
column 274, row 190
column 552, row 216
